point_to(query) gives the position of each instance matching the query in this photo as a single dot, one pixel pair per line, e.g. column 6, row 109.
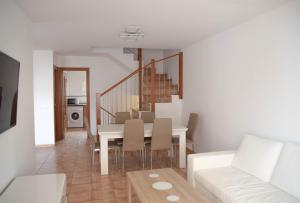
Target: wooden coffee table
column 142, row 185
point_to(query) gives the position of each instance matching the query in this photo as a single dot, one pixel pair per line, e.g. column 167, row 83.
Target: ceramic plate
column 172, row 198
column 153, row 175
column 162, row 185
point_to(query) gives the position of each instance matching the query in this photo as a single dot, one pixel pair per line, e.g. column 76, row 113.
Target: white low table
column 50, row 188
column 113, row 131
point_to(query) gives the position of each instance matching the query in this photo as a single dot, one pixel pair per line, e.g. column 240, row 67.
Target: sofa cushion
column 231, row 185
column 257, row 156
column 287, row 171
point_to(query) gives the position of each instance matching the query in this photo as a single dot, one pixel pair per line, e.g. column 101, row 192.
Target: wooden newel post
column 98, row 114
column 153, row 85
column 180, row 91
column 98, row 111
column 140, row 59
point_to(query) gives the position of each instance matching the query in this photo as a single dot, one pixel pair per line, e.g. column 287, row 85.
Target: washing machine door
column 75, row 116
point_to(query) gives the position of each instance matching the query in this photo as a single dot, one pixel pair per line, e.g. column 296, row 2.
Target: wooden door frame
column 59, row 122
column 87, row 70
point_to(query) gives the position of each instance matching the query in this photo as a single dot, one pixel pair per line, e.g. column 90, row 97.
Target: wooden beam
column 180, row 75
column 140, row 58
column 153, row 85
column 98, row 110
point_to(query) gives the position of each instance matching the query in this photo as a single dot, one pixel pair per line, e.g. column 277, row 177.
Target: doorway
column 72, row 100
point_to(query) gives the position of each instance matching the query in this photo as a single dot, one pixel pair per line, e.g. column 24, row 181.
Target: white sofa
column 260, row 171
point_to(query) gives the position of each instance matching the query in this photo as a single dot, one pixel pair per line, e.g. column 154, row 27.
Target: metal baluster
column 165, row 78
column 121, row 96
column 105, row 107
column 158, row 86
column 101, row 112
column 126, row 108
column 130, row 88
column 170, row 91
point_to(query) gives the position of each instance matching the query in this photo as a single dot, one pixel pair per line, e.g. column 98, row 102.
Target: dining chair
column 148, row 116
column 133, row 139
column 161, row 137
column 112, row 145
column 121, row 117
column 190, row 133
column 135, row 114
column 95, row 145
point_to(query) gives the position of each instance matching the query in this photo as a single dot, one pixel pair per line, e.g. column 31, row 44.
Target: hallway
column 85, row 184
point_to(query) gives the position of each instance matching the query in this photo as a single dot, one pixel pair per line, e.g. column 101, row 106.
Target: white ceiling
column 78, row 25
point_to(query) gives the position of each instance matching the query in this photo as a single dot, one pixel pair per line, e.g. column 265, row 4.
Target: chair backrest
column 91, row 138
column 135, row 114
column 148, row 117
column 133, row 139
column 192, row 124
column 161, row 134
column 121, row 117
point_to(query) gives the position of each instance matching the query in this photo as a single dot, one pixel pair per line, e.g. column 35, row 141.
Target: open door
column 59, row 104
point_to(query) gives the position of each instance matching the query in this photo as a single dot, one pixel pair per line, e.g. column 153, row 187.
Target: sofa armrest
column 207, row 161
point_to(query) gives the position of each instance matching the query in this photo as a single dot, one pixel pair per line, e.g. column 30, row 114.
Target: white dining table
column 112, row 131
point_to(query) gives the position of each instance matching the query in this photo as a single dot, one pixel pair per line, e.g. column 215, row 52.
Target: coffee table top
column 142, row 185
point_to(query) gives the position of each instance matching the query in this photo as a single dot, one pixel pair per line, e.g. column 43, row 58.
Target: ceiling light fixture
column 132, row 33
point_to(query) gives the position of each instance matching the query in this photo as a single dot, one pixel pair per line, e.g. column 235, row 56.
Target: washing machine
column 75, row 116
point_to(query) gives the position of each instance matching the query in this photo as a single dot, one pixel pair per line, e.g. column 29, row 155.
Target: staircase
column 143, row 88
column 163, row 91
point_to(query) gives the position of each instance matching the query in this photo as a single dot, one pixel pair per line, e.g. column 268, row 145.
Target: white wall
column 17, row 143
column 149, row 54
column 170, row 110
column 117, row 55
column 76, row 83
column 171, row 65
column 246, row 80
column 104, row 72
column 43, row 97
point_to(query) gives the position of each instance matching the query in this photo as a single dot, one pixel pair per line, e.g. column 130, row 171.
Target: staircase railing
column 160, row 79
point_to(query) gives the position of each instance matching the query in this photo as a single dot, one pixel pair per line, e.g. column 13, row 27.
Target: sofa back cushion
column 257, row 156
column 286, row 174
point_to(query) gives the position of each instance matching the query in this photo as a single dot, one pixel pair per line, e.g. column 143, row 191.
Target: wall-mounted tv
column 9, row 80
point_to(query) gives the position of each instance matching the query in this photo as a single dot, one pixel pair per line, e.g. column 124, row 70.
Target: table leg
column 129, row 192
column 104, row 155
column 182, row 150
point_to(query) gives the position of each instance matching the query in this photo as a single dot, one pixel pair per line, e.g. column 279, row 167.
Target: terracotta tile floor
column 84, row 182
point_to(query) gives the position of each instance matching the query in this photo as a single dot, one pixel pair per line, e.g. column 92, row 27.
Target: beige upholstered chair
column 95, row 146
column 121, row 117
column 148, row 117
column 133, row 138
column 162, row 136
column 192, row 124
column 190, row 133
column 135, row 114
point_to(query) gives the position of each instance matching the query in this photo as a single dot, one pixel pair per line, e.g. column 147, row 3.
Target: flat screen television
column 9, row 80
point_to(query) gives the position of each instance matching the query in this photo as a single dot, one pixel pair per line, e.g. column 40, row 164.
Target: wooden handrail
column 124, row 79
column 135, row 72
column 139, row 71
column 159, row 60
column 107, row 111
